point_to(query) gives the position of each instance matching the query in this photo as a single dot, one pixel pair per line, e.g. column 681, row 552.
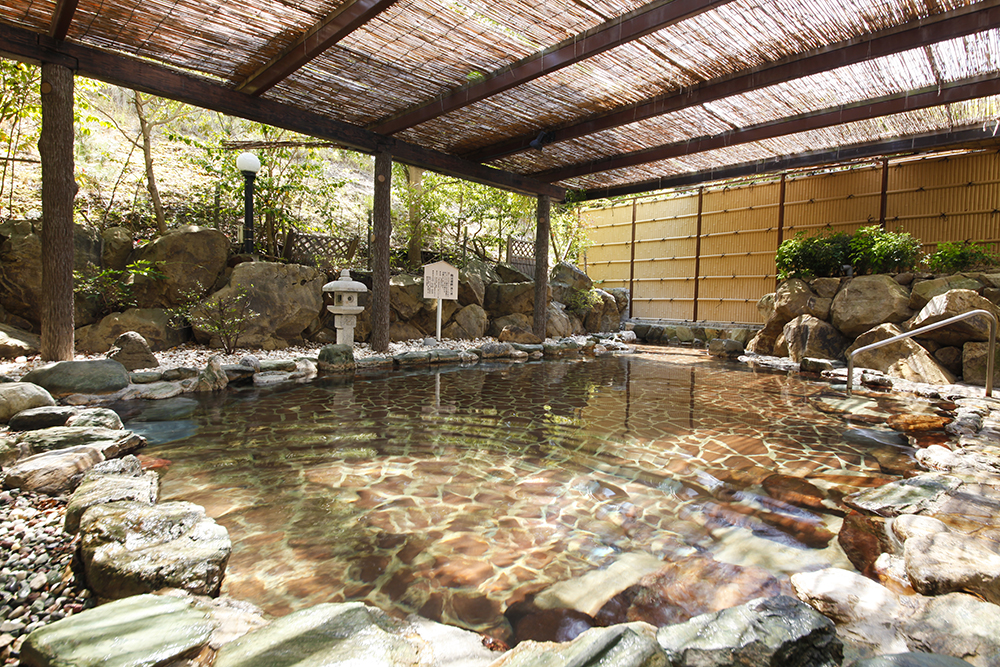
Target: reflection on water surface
column 452, row 492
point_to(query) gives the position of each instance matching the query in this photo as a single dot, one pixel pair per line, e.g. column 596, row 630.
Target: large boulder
column 469, row 322
column 559, row 323
column 153, row 324
column 406, row 295
column 603, row 313
column 191, row 259
column 128, row 548
column 791, row 299
column 108, row 482
column 18, row 396
column 767, row 631
column 471, row 288
column 140, row 630
column 286, row 298
column 515, row 320
column 118, row 245
column 566, row 280
column 867, row 301
column 509, row 298
column 16, row 342
column 807, row 336
column 903, row 359
column 950, row 304
column 102, row 376
column 924, row 290
column 511, row 274
column 974, row 364
column 132, row 351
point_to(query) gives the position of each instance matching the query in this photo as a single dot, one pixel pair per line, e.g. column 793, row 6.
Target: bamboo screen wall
column 708, row 254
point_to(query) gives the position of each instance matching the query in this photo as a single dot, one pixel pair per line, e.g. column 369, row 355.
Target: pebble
column 37, row 584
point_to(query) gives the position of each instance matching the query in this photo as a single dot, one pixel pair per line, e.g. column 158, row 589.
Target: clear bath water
column 451, row 492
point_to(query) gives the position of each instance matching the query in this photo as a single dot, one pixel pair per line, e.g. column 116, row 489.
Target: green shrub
column 874, row 250
column 813, row 256
column 583, row 300
column 224, row 316
column 961, row 256
column 111, row 289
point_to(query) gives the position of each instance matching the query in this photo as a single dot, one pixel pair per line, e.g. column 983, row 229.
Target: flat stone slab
column 129, row 548
column 627, row 645
column 108, row 482
column 52, row 472
column 139, row 631
column 111, row 442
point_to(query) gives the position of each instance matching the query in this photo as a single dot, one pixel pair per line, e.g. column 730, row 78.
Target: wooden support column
column 55, row 146
column 631, row 263
column 884, row 200
column 781, row 220
column 697, row 254
column 382, row 231
column 542, row 266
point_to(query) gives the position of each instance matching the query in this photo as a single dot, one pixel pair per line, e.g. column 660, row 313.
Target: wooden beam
column 941, row 27
column 957, row 91
column 968, row 137
column 341, row 23
column 62, row 17
column 170, row 83
column 621, row 30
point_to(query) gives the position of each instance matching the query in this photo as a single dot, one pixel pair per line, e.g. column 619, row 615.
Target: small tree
column 224, row 316
column 110, row 289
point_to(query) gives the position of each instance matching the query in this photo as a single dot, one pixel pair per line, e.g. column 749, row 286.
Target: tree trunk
column 55, row 145
column 147, row 151
column 542, row 266
column 415, row 181
column 382, row 231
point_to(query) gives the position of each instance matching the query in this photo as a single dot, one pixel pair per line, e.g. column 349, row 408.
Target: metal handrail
column 930, row 327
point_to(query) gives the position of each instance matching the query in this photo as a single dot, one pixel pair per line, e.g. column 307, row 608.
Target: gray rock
column 867, row 301
column 496, row 350
column 179, row 373
column 132, row 351
column 129, row 548
column 956, row 624
column 139, row 631
column 603, row 315
column 103, row 376
column 974, row 359
column 250, row 362
column 111, row 442
column 145, row 377
column 18, row 396
column 287, row 298
column 950, row 304
column 108, row 482
column 153, row 324
column 808, row 336
column 510, row 274
column 118, row 244
column 54, row 472
column 509, row 298
column 469, row 323
column 911, row 660
column 191, row 260
column 96, row 418
column 337, row 359
column 724, row 347
column 213, row 377
column 629, row 645
column 825, row 288
column 767, row 631
column 813, row 365
column 905, row 496
column 904, row 359
column 471, row 288
column 16, row 342
column 350, row 633
column 925, row 290
column 944, row 562
column 513, row 320
column 43, row 417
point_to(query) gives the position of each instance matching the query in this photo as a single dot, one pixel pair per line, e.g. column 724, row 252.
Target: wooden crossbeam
column 957, row 91
column 618, row 31
column 941, row 27
column 62, row 17
column 345, row 20
column 967, row 137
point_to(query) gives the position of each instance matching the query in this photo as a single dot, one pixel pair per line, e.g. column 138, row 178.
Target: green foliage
column 222, row 316
column 110, row 289
column 874, row 250
column 962, row 256
column 583, row 300
column 20, row 124
column 813, row 256
column 869, row 250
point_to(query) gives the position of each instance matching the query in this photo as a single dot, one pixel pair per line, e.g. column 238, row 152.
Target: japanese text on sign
column 440, row 281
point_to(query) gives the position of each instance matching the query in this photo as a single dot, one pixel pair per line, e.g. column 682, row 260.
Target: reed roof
column 620, row 96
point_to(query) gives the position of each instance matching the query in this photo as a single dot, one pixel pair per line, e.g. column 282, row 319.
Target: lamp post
column 249, row 165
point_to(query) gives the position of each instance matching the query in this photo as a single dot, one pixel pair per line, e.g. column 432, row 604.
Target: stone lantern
column 345, row 305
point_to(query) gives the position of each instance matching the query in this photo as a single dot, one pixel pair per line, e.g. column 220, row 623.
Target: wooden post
column 542, row 266
column 55, row 145
column 697, row 254
column 884, row 201
column 382, row 231
column 781, row 222
column 631, row 263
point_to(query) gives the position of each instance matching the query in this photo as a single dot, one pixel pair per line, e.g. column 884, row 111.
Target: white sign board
column 440, row 281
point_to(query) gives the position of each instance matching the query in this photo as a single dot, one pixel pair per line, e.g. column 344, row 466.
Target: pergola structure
column 603, row 97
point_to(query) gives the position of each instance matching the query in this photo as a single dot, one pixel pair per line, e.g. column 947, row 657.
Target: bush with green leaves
column 581, row 301
column 875, row 250
column 222, row 316
column 110, row 290
column 961, row 256
column 869, row 250
column 813, row 256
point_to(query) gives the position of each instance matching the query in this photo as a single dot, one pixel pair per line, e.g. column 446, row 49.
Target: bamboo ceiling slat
column 36, row 13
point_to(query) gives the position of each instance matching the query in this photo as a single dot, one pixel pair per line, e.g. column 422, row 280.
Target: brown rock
column 131, row 351
column 863, row 539
column 795, row 491
column 909, row 423
column 514, row 334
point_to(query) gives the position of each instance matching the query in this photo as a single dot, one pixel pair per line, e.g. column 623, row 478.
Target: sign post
column 440, row 282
